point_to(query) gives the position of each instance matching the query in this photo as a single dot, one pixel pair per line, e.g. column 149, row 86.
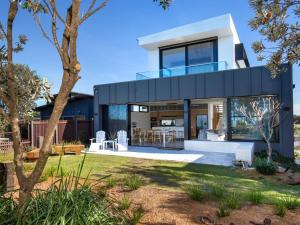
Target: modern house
column 79, row 106
column 197, row 77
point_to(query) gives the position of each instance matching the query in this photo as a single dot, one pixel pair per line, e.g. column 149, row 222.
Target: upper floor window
column 188, row 58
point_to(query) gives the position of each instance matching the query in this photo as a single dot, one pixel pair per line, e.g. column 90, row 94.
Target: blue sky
column 107, row 46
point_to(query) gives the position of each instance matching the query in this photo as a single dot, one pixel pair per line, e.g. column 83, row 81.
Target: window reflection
column 241, row 127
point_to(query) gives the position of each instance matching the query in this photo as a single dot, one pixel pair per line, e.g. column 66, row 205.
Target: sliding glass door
column 190, row 58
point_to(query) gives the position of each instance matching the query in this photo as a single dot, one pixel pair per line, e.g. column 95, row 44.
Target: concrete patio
column 189, row 156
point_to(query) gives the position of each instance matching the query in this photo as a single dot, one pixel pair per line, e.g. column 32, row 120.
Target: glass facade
column 201, row 54
column 189, row 59
column 116, row 118
column 241, row 127
column 173, row 58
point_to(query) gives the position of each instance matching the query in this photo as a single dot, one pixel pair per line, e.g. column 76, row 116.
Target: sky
column 107, row 47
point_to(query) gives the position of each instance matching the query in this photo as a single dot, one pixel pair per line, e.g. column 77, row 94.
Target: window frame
column 214, row 41
column 275, row 139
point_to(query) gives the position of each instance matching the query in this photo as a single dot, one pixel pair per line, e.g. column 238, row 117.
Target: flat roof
column 213, row 27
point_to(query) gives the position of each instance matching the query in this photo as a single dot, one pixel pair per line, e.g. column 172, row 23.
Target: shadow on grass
column 175, row 175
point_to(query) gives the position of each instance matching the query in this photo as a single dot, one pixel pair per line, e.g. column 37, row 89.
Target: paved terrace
column 199, row 157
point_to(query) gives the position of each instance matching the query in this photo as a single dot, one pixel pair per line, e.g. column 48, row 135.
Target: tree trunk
column 269, row 151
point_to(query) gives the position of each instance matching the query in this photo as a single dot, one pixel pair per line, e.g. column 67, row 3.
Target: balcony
column 183, row 70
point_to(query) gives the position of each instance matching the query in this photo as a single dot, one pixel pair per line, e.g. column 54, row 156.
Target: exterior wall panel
column 122, row 93
column 187, row 87
column 163, row 89
column 242, row 82
column 215, row 85
column 142, row 91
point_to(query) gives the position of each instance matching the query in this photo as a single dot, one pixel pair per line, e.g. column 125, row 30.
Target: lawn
column 173, row 175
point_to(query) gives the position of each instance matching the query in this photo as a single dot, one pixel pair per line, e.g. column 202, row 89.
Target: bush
column 223, row 210
column 137, row 215
column 290, row 202
column 195, row 192
column 133, row 181
column 233, row 201
column 8, row 210
column 255, row 197
column 124, row 203
column 280, row 208
column 111, row 182
column 264, row 167
column 217, row 191
column 69, row 200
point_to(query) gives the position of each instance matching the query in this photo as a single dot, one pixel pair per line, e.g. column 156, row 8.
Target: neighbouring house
column 76, row 122
column 79, row 106
column 198, row 75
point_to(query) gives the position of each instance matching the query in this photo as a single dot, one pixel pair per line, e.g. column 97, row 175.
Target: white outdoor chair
column 122, row 140
column 98, row 144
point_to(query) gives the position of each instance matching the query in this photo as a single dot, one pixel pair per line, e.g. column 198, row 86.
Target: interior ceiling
column 180, row 102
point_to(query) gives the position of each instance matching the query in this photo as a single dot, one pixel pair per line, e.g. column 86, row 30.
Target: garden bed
column 63, row 149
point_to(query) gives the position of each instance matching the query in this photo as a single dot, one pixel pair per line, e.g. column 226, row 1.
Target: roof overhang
column 213, row 27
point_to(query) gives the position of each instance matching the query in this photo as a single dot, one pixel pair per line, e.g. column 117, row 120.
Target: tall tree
column 66, row 47
column 278, row 22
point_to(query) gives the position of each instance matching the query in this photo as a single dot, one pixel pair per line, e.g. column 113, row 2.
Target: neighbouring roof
column 73, row 96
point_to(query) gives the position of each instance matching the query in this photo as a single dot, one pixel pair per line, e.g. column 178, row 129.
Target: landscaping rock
column 281, row 169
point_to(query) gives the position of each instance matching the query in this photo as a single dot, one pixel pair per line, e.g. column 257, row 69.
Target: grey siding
column 239, row 82
column 251, row 81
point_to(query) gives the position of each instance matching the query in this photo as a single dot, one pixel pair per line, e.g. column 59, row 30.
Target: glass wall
column 241, row 127
column 200, row 54
column 116, row 118
column 189, row 59
column 172, row 58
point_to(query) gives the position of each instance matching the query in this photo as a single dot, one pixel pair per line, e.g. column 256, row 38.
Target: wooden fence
column 66, row 131
column 7, row 146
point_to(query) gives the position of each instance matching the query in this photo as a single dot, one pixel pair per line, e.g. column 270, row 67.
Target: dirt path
column 174, row 208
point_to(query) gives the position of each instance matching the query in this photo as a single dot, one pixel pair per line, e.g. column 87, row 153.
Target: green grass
column 174, row 175
column 5, row 157
column 195, row 192
column 124, row 203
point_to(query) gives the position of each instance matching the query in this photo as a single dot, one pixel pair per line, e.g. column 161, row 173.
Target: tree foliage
column 30, row 88
column 278, row 22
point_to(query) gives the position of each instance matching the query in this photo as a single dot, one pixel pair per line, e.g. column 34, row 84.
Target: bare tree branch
column 92, row 10
column 44, row 32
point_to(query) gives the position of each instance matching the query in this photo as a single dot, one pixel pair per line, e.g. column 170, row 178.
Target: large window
column 116, row 118
column 189, row 59
column 241, row 127
column 173, row 62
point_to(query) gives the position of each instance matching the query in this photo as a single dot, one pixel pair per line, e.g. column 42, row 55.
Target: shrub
column 124, row 203
column 195, row 192
column 280, row 208
column 133, row 181
column 290, row 202
column 233, row 201
column 69, row 200
column 217, row 191
column 111, row 182
column 8, row 210
column 137, row 215
column 223, row 210
column 264, row 167
column 48, row 172
column 255, row 197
